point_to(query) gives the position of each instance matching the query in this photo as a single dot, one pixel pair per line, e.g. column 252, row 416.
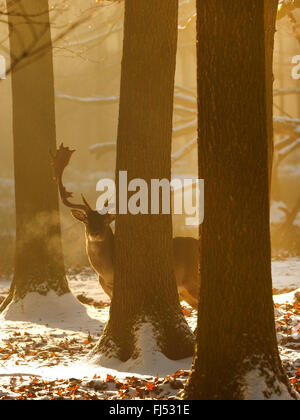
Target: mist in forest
column 150, row 201
column 87, row 70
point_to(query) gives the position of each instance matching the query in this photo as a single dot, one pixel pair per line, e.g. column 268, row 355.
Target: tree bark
column 144, row 281
column 270, row 14
column 39, row 265
column 236, row 330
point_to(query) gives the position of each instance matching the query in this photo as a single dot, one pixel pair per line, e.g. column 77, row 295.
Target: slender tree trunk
column 39, row 265
column 236, row 355
column 271, row 7
column 144, row 282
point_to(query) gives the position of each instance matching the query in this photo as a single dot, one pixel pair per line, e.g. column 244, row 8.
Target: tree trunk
column 236, row 355
column 270, row 14
column 39, row 265
column 145, row 291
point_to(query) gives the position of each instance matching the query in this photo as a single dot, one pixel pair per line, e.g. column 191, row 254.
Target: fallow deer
column 100, row 240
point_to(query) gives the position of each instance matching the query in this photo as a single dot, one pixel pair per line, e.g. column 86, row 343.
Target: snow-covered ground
column 44, row 349
column 286, row 275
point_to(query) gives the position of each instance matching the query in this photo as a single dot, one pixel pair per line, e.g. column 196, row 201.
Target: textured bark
column 39, row 264
column 270, row 14
column 144, row 282
column 236, row 330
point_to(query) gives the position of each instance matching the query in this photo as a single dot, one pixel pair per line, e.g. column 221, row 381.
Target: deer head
column 96, row 224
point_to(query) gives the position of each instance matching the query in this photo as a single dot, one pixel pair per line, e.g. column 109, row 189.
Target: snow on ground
column 256, row 387
column 287, row 314
column 149, row 359
column 286, row 275
column 44, row 351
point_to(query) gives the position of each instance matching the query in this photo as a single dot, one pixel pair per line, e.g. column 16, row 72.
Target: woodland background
column 87, row 67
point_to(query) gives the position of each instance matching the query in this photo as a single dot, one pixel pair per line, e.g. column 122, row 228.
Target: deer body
column 100, row 241
column 101, row 257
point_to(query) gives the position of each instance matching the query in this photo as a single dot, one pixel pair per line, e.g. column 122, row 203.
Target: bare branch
column 88, row 99
column 189, row 127
column 187, row 148
column 287, row 6
column 283, row 153
column 280, row 92
column 32, row 53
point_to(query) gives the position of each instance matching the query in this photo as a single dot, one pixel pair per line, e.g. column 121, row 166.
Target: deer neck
column 101, row 254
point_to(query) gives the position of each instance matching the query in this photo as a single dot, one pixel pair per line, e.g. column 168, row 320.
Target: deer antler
column 60, row 161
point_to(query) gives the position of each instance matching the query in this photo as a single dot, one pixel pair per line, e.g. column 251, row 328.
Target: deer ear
column 79, row 215
column 109, row 218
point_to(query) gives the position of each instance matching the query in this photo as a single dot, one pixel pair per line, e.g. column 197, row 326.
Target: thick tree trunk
column 236, row 355
column 144, row 282
column 39, row 265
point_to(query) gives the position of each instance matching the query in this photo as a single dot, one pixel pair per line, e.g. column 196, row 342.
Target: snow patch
column 286, row 274
column 86, row 282
column 285, row 297
column 50, row 308
column 60, row 349
column 149, row 360
column 256, row 388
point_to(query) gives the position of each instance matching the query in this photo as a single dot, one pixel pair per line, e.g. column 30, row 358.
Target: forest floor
column 45, row 345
